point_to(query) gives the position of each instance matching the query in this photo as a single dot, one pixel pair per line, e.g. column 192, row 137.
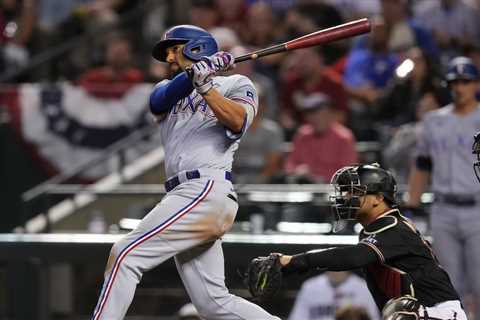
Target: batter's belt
column 173, row 182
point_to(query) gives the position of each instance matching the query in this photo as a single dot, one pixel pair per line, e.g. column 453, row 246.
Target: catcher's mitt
column 264, row 277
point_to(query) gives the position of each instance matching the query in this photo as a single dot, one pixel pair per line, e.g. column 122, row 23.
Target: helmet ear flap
column 197, row 48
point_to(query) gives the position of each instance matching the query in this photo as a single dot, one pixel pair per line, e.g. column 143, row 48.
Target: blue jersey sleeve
column 166, row 95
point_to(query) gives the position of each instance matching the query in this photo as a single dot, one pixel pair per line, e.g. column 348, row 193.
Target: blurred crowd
column 315, row 102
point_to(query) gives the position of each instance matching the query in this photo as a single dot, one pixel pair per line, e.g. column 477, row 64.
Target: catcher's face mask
column 346, row 201
column 476, row 150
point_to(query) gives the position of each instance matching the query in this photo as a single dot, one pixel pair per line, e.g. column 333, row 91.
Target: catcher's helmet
column 401, row 308
column 198, row 42
column 476, row 150
column 352, row 182
column 462, row 68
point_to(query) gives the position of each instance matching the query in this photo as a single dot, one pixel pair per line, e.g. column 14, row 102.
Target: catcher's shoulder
column 382, row 223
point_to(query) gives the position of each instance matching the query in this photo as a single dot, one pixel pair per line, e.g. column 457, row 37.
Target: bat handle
column 189, row 72
column 245, row 57
column 263, row 52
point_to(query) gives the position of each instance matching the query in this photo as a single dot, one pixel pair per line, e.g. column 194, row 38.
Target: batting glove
column 221, row 61
column 201, row 74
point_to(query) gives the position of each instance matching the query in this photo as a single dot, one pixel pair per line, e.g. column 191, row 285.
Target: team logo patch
column 370, row 239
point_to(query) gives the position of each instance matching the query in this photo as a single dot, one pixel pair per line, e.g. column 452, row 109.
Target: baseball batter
column 444, row 154
column 202, row 116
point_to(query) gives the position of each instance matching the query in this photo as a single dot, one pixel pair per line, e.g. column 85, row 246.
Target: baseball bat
column 342, row 31
column 316, row 38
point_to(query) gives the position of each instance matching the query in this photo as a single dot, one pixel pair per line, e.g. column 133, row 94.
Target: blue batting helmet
column 462, row 68
column 198, row 42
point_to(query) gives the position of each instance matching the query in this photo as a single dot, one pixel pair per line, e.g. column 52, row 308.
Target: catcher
column 402, row 272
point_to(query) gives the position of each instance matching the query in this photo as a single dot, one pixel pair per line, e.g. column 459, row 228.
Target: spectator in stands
column 232, row 14
column 17, row 21
column 405, row 32
column 473, row 53
column 154, row 21
column 367, row 72
column 226, row 38
column 77, row 16
column 399, row 150
column 414, row 77
column 204, row 14
column 321, row 146
column 325, row 296
column 118, row 74
column 461, row 17
column 370, row 68
column 259, row 157
column 309, row 16
column 352, row 313
column 354, row 9
column 261, row 27
column 157, row 71
column 88, row 20
column 305, row 73
column 262, row 30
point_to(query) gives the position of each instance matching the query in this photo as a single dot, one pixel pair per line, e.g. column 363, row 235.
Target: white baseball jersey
column 319, row 300
column 190, row 132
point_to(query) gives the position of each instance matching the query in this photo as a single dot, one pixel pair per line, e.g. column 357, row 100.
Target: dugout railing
column 32, row 265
